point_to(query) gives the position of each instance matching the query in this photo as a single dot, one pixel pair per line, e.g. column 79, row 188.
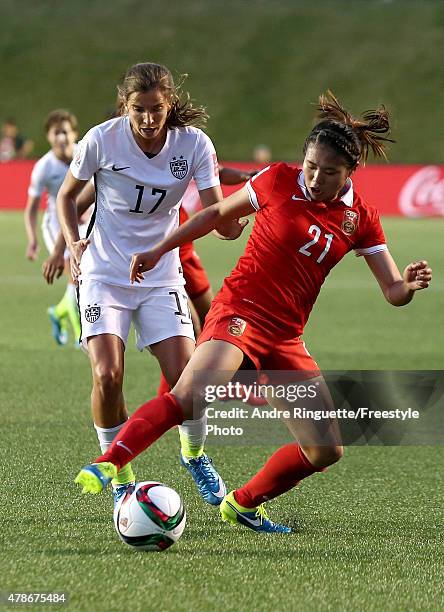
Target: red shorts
column 196, row 279
column 224, row 323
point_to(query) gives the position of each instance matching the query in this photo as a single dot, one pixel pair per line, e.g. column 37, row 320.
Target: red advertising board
column 406, row 190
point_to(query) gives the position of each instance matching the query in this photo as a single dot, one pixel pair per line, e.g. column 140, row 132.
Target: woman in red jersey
column 306, row 222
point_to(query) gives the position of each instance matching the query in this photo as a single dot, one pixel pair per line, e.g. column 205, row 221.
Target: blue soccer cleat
column 120, row 490
column 210, row 485
column 95, row 477
column 253, row 518
column 59, row 332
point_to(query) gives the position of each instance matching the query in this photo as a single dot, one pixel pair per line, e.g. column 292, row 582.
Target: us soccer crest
column 92, row 313
column 236, row 326
column 350, row 221
column 179, row 167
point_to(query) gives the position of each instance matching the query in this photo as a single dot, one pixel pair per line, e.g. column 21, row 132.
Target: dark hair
column 56, row 117
column 141, row 78
column 349, row 137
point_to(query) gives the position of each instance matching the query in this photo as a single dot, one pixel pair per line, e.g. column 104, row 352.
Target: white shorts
column 51, row 230
column 157, row 312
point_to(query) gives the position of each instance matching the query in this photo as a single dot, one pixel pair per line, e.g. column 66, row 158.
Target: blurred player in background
column 47, row 176
column 306, row 221
column 142, row 162
column 262, row 154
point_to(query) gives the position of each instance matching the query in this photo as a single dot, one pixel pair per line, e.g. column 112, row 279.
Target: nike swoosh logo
column 293, row 197
column 122, row 445
column 256, row 522
column 116, row 169
column 222, row 491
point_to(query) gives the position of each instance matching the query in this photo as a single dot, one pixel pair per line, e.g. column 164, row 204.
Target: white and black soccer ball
column 150, row 516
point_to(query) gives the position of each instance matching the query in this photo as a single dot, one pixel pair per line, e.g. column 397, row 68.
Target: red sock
column 164, row 387
column 144, row 427
column 283, row 470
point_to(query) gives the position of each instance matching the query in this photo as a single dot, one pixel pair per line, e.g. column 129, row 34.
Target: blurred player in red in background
column 306, row 221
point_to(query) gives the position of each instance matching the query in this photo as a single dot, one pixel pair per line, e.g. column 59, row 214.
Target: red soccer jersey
column 294, row 244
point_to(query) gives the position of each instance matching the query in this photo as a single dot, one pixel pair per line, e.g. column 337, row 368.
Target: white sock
column 193, row 434
column 106, row 436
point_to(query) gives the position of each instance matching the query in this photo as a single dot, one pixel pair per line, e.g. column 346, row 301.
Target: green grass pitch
column 368, row 530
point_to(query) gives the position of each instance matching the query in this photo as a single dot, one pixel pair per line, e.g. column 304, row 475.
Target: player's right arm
column 54, row 265
column 31, row 212
column 234, row 207
column 67, row 213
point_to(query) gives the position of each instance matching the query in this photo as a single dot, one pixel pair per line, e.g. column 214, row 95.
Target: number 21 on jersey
column 315, row 231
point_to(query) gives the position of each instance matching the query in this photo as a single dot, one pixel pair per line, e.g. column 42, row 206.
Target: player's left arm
column 226, row 230
column 398, row 289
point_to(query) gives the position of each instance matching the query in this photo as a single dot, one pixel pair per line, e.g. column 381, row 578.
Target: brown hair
column 350, row 137
column 56, row 117
column 141, row 78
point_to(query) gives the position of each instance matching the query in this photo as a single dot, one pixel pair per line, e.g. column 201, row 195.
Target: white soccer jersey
column 48, row 175
column 138, row 198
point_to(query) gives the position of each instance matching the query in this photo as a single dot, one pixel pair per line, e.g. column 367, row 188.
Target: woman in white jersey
column 47, row 176
column 142, row 163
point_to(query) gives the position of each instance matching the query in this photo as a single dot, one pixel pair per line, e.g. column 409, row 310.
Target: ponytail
column 350, row 137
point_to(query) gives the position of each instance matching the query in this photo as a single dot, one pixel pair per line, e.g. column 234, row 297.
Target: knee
column 108, row 377
column 191, row 400
column 323, row 456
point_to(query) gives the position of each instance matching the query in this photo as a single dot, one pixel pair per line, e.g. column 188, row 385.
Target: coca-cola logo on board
column 423, row 193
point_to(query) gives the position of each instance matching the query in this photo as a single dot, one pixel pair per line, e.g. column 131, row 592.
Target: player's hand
column 76, row 250
column 233, row 230
column 32, row 251
column 53, row 267
column 417, row 275
column 142, row 262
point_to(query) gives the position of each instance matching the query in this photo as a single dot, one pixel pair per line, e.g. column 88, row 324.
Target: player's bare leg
column 320, row 441
column 106, row 352
column 202, row 304
column 173, row 354
column 219, row 361
column 164, row 384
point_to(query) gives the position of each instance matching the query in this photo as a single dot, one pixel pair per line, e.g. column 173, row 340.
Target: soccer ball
column 150, row 516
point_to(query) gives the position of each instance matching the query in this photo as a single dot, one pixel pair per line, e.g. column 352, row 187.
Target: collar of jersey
column 346, row 198
column 134, row 144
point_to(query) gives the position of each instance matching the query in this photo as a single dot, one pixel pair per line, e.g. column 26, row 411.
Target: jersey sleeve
column 372, row 239
column 37, row 182
column 206, row 172
column 261, row 186
column 87, row 156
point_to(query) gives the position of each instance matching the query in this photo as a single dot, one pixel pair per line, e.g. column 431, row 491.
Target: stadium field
column 368, row 532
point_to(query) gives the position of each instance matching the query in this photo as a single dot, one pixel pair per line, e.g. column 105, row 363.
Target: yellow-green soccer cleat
column 95, row 477
column 253, row 518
